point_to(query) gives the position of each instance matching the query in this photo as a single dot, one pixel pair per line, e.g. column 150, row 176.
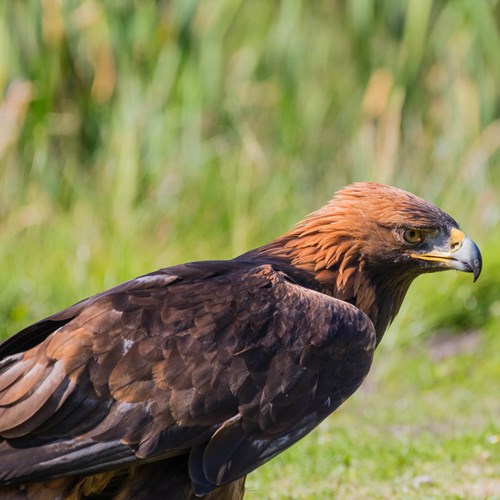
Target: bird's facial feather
column 404, row 232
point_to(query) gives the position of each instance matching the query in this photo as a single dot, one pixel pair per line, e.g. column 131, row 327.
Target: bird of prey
column 179, row 383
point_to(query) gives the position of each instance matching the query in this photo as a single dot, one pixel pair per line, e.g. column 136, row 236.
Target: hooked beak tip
column 476, row 269
column 470, row 256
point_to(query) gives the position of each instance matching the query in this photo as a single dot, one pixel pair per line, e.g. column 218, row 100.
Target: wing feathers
column 80, row 411
column 42, row 413
column 23, row 384
column 58, row 459
column 11, row 416
column 12, row 369
column 131, row 379
column 218, row 357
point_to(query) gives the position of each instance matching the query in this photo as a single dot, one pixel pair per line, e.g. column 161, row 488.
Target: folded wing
column 230, row 362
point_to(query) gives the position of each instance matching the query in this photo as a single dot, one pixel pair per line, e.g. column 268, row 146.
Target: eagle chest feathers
column 179, row 383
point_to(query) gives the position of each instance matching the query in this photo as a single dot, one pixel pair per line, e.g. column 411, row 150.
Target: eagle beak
column 462, row 254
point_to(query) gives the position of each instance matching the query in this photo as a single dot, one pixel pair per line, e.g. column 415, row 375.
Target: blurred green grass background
column 137, row 135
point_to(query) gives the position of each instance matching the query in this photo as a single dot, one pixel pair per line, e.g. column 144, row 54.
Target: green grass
column 137, row 135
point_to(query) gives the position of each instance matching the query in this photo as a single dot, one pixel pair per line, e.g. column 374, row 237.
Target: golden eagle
column 178, row 383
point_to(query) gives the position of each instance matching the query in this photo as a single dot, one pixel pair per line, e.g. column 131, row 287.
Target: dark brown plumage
column 183, row 381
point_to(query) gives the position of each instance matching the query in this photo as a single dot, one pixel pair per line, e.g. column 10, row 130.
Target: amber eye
column 413, row 236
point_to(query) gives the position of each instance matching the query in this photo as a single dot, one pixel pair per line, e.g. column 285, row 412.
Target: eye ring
column 413, row 236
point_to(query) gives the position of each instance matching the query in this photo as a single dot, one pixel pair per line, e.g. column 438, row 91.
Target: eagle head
column 393, row 229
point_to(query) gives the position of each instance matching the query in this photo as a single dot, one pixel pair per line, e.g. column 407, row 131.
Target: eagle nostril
column 455, row 245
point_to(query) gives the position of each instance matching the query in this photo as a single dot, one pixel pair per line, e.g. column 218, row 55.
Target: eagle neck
column 389, row 290
column 347, row 276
